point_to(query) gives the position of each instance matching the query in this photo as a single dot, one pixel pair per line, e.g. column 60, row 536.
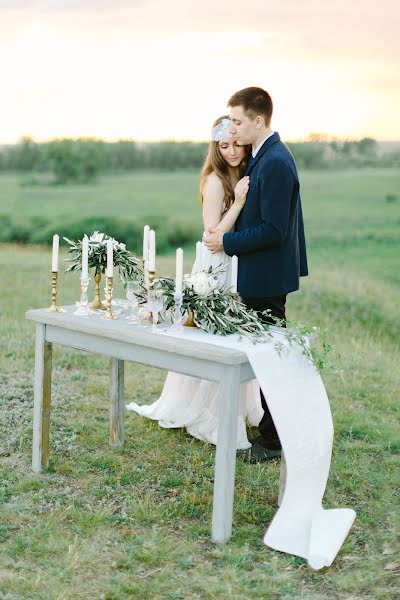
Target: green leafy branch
column 128, row 265
column 221, row 312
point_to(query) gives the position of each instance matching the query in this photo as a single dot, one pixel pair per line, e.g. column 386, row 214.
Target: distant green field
column 348, row 218
column 128, row 196
column 349, row 199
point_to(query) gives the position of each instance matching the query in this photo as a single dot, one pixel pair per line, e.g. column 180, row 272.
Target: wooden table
column 136, row 343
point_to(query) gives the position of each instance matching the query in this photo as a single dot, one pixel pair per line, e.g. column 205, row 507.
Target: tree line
column 83, row 159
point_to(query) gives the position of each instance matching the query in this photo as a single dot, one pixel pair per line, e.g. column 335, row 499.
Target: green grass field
column 342, row 208
column 134, row 522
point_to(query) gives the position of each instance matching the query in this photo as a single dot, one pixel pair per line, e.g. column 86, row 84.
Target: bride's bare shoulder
column 213, row 185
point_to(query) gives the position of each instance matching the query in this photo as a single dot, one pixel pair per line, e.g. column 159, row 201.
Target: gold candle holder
column 108, row 315
column 148, row 316
column 152, row 275
column 190, row 320
column 54, row 307
column 97, row 303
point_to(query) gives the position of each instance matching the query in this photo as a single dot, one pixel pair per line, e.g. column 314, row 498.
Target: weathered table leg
column 116, row 402
column 225, row 460
column 42, row 401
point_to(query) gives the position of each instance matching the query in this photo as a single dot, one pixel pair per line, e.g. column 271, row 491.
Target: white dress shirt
column 254, row 152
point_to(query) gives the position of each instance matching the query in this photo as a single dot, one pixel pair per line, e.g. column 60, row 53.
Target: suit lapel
column 249, row 165
column 267, row 144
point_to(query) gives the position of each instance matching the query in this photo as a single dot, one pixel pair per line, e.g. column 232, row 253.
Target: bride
column 187, row 401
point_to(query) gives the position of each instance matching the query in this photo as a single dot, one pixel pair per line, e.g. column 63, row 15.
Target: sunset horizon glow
column 111, row 73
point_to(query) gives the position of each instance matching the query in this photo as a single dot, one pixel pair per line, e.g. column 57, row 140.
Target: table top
column 191, row 342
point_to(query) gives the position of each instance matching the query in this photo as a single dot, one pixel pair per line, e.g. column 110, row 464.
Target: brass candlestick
column 190, row 320
column 54, row 307
column 109, row 314
column 152, row 275
column 97, row 303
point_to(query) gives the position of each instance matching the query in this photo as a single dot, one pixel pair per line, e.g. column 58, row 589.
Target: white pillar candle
column 198, row 254
column 203, row 257
column 179, row 271
column 85, row 257
column 54, row 262
column 152, row 250
column 110, row 259
column 234, row 274
column 146, row 231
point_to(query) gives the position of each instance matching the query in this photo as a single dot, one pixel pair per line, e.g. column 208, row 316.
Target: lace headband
column 221, row 131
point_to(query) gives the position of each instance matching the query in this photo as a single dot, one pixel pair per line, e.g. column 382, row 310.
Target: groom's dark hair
column 255, row 101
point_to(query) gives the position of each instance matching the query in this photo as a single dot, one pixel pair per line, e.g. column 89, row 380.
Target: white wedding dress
column 193, row 403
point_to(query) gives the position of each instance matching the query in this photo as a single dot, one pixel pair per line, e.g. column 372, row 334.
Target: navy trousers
column 268, row 434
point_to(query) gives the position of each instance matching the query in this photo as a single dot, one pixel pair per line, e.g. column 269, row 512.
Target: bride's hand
column 241, row 189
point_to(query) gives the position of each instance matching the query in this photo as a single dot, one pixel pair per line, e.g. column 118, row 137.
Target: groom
column 269, row 233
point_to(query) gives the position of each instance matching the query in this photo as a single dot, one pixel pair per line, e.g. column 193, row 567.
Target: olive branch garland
column 128, row 265
column 221, row 312
column 216, row 312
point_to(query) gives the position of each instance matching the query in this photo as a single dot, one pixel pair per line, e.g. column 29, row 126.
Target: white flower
column 202, row 283
column 96, row 237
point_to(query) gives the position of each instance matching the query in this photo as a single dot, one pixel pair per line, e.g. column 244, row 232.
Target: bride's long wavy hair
column 214, row 162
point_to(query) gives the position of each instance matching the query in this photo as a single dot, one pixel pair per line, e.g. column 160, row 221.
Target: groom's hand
column 213, row 240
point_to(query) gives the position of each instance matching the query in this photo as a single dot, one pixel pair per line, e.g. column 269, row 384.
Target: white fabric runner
column 299, row 405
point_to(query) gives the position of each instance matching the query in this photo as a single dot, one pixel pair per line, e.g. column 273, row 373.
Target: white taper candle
column 146, row 231
column 110, row 259
column 152, row 250
column 54, row 262
column 203, row 256
column 179, row 271
column 234, row 274
column 198, row 255
column 85, row 257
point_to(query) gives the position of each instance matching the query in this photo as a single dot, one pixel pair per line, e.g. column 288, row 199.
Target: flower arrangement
column 215, row 309
column 201, row 283
column 128, row 265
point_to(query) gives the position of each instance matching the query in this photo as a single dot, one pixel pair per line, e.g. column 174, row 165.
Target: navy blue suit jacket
column 269, row 233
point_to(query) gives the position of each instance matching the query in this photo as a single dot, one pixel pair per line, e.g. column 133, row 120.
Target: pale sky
column 164, row 69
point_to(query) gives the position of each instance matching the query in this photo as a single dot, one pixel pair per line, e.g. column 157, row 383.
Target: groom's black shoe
column 258, row 453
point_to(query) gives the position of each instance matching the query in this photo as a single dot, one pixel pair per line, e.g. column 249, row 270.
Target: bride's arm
column 213, row 201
